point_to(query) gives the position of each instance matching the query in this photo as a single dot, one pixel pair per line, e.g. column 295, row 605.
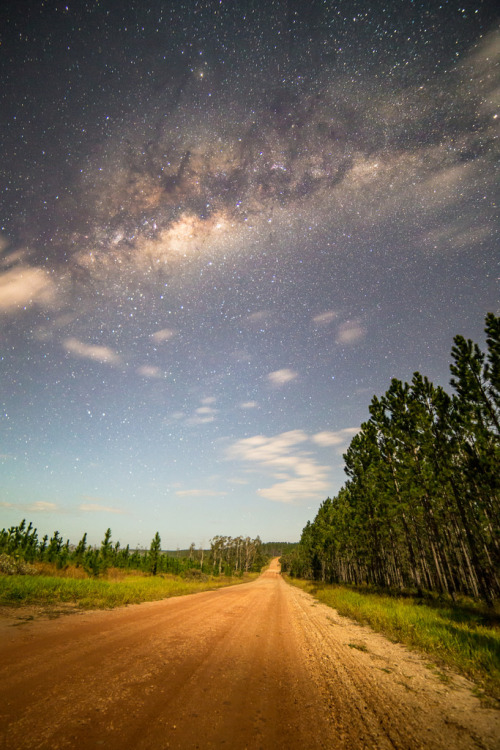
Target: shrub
column 9, row 566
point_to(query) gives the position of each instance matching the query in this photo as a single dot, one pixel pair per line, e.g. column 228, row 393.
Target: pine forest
column 420, row 508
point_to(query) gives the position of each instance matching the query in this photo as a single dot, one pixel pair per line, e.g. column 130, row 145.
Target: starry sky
column 225, row 226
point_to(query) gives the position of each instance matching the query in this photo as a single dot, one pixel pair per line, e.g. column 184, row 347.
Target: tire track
column 258, row 666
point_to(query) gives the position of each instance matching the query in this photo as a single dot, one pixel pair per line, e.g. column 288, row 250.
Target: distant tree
column 154, row 553
column 79, row 552
column 236, row 555
column 107, row 549
column 55, row 546
column 93, row 563
column 43, row 547
column 123, row 560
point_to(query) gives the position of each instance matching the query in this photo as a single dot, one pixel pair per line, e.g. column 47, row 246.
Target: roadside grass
column 117, row 590
column 463, row 636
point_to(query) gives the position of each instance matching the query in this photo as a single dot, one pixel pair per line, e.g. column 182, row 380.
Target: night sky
column 225, row 226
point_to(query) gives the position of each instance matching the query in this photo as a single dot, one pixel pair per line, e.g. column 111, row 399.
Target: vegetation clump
column 117, row 589
column 227, row 556
column 9, row 566
column 110, row 576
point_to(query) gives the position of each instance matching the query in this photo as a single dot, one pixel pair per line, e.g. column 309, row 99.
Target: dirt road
column 260, row 665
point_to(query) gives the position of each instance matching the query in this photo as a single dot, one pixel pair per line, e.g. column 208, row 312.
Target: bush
column 9, row 566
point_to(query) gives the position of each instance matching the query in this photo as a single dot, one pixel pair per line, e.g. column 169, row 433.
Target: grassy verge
column 89, row 593
column 461, row 636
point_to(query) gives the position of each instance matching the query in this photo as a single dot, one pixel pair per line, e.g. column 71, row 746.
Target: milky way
column 225, row 227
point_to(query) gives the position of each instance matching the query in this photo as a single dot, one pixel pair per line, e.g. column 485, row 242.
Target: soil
column 257, row 666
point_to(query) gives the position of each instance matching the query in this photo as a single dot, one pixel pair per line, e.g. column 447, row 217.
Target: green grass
column 92, row 593
column 461, row 636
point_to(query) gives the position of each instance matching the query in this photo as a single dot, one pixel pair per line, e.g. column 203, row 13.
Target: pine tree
column 79, row 552
column 154, row 554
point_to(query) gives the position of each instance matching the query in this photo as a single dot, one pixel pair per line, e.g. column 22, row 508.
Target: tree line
column 420, row 509
column 227, row 556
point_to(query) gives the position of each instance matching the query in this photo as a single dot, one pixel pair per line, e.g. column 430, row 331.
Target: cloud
column 204, row 414
column 299, row 475
column 458, row 235
column 262, row 449
column 148, row 371
column 164, row 335
column 323, row 319
column 98, row 508
column 90, row 351
column 237, row 480
column 206, row 410
column 327, row 438
column 350, row 332
column 296, row 489
column 23, row 286
column 202, row 417
column 199, row 493
column 281, row 377
column 42, row 506
column 248, row 405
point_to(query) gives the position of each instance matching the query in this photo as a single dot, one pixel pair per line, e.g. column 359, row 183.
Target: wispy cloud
column 148, row 371
column 300, row 476
column 205, row 413
column 312, row 484
column 201, row 418
column 23, row 286
column 237, row 480
column 199, row 493
column 164, row 335
column 98, row 508
column 91, row 351
column 350, row 332
column 325, row 318
column 340, row 437
column 206, row 410
column 248, row 405
column 41, row 506
column 457, row 235
column 281, row 377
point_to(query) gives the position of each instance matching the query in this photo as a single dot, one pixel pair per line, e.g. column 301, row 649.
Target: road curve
column 256, row 666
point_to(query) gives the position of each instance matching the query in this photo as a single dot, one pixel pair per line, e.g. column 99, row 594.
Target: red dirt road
column 256, row 666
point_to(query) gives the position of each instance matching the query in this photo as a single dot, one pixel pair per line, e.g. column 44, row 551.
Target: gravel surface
column 258, row 666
